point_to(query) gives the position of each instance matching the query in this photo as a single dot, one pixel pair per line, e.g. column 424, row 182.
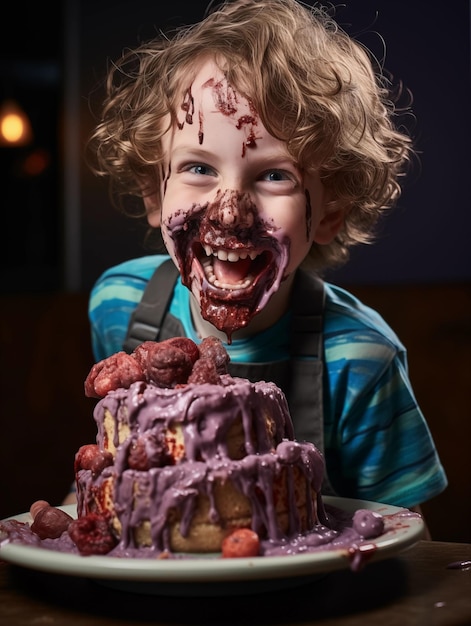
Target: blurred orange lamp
column 15, row 127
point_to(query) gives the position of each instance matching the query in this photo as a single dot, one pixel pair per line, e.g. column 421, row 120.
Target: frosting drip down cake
column 185, row 453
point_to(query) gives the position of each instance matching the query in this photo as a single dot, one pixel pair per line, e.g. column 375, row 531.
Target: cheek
column 166, row 214
column 170, row 206
column 294, row 218
column 299, row 248
column 297, row 221
column 170, row 246
column 166, row 237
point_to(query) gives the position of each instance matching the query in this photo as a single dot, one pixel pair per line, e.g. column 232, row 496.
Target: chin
column 232, row 286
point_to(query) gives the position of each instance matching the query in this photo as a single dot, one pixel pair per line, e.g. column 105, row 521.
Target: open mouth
column 232, row 270
column 232, row 285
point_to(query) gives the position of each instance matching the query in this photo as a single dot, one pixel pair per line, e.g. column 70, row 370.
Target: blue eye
column 275, row 176
column 202, row 170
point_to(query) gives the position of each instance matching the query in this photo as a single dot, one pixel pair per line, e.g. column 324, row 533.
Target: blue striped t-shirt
column 377, row 444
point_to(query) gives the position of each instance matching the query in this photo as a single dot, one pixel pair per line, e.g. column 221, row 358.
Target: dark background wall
column 60, row 231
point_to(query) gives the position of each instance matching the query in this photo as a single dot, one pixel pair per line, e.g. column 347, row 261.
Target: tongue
column 231, row 272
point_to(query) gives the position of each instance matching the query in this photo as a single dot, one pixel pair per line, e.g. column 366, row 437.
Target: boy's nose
column 232, row 208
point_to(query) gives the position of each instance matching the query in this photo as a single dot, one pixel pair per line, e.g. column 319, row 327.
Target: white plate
column 227, row 576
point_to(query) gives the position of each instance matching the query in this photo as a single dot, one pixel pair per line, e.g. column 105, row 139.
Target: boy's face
column 237, row 215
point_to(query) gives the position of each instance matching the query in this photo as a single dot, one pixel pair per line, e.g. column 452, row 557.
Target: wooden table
column 417, row 587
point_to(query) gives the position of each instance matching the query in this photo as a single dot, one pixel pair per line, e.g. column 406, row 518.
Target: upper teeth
column 223, row 255
column 231, row 255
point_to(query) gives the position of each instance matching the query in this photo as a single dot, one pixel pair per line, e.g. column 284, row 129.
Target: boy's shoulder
column 345, row 313
column 137, row 268
column 123, row 284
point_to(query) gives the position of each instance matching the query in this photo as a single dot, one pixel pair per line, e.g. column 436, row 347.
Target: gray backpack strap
column 307, row 344
column 146, row 321
column 277, row 372
column 307, row 363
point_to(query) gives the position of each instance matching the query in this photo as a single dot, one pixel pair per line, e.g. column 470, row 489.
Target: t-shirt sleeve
column 113, row 299
column 378, row 444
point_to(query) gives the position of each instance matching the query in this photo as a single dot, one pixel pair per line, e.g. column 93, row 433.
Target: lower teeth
column 211, row 278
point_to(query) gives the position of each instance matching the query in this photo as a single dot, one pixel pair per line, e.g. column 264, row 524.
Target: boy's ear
column 152, row 206
column 330, row 225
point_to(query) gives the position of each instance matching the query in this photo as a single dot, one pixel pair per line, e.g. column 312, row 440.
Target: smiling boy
column 238, row 215
column 262, row 145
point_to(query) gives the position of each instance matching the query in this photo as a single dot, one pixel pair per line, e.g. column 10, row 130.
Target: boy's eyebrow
column 189, row 150
column 274, row 160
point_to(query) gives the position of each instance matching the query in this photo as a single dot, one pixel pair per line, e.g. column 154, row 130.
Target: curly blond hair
column 313, row 86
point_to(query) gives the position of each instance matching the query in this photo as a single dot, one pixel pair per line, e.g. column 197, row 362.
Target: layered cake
column 190, row 461
column 186, row 454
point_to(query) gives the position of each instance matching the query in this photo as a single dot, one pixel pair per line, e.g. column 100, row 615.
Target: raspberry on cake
column 186, row 454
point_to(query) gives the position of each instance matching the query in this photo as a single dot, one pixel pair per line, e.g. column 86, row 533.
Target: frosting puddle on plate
column 357, row 532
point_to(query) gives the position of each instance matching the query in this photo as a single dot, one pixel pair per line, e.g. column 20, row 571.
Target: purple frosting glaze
column 205, row 414
column 187, row 438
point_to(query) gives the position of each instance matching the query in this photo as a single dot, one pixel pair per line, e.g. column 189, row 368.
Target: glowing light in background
column 15, row 127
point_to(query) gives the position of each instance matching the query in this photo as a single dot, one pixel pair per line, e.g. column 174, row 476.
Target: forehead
column 210, row 90
column 206, row 70
column 207, row 107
